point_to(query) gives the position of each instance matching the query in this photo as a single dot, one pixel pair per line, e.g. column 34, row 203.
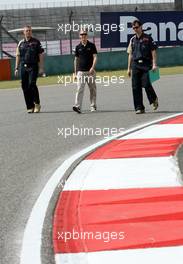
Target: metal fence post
column 1, row 41
column 178, row 5
column 70, row 32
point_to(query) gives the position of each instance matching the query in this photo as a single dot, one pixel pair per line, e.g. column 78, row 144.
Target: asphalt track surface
column 31, row 150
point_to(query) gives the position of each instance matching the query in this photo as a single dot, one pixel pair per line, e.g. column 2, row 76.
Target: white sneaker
column 93, row 109
column 140, row 111
column 37, row 108
column 155, row 104
column 31, row 110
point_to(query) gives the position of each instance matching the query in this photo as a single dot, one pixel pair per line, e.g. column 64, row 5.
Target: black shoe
column 140, row 111
column 76, row 109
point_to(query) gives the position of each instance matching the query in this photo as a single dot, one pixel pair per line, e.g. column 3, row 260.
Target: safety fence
column 27, row 4
column 63, row 64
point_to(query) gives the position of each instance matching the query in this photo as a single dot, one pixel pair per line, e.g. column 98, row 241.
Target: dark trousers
column 29, row 77
column 140, row 79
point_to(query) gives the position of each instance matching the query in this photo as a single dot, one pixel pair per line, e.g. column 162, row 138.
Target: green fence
column 57, row 65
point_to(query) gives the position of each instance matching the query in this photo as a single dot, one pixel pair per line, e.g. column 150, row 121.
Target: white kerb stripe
column 125, row 173
column 158, row 131
column 167, row 255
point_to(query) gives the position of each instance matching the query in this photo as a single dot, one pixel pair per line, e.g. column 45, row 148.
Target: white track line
column 31, row 245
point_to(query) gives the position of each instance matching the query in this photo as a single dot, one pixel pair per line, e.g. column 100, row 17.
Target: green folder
column 154, row 75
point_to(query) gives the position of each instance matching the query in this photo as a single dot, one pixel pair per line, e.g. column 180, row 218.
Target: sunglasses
column 83, row 34
column 136, row 27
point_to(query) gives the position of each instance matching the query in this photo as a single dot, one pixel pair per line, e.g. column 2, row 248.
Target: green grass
column 52, row 80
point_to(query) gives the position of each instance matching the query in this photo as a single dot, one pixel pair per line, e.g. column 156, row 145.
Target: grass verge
column 53, row 80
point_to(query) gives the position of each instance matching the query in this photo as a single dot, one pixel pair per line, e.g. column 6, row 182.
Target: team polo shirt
column 29, row 51
column 140, row 48
column 85, row 55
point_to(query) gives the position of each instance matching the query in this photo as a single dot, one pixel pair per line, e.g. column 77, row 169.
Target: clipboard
column 154, row 75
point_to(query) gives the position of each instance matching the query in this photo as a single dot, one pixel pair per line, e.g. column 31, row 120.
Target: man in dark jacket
column 29, row 56
column 141, row 58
